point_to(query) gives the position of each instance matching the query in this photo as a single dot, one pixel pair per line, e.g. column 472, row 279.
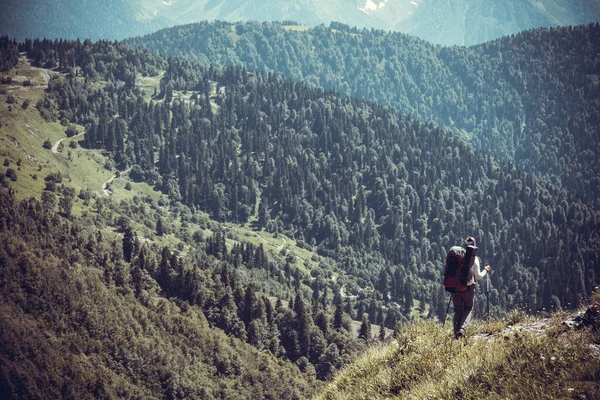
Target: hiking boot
column 459, row 335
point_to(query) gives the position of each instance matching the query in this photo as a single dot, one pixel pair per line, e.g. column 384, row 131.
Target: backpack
column 459, row 261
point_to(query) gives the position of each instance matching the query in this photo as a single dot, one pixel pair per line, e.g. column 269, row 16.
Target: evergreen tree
column 128, row 243
column 365, row 330
column 338, row 318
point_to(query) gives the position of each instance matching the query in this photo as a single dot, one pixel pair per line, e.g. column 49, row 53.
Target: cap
column 470, row 241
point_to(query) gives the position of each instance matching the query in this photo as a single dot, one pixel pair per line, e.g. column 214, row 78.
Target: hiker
column 463, row 292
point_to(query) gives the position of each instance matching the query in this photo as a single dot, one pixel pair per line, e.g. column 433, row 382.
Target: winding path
column 105, row 189
column 55, row 147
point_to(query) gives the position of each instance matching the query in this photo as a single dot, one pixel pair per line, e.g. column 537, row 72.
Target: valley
column 186, row 218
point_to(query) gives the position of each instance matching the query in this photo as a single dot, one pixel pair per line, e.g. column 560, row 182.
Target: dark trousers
column 463, row 304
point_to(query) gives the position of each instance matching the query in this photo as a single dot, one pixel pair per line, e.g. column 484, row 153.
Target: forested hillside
column 85, row 314
column 381, row 194
column 156, row 259
column 278, row 188
column 531, row 98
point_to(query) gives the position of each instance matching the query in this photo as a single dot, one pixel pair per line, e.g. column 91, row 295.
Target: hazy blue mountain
column 467, row 22
column 461, row 22
column 109, row 19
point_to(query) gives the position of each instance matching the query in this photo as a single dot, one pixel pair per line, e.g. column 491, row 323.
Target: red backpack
column 459, row 261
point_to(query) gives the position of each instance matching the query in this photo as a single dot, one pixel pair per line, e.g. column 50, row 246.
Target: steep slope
column 368, row 198
column 78, row 321
column 520, row 358
column 150, row 248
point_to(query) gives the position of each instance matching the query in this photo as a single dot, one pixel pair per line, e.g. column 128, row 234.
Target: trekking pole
column 447, row 308
column 488, row 297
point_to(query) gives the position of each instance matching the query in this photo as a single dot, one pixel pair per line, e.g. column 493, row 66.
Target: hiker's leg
column 467, row 298
column 458, row 303
column 470, row 313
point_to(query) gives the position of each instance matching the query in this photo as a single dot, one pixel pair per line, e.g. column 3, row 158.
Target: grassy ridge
column 533, row 359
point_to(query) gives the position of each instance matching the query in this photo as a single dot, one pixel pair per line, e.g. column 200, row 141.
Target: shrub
column 11, row 174
column 71, row 131
column 516, row 316
column 50, row 186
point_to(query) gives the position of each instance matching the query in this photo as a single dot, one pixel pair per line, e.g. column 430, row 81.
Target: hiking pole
column 447, row 308
column 488, row 297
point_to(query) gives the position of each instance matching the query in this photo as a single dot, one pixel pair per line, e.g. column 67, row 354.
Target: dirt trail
column 55, row 147
column 537, row 328
column 107, row 192
column 279, row 248
column 45, row 74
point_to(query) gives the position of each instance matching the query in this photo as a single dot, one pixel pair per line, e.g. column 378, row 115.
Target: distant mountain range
column 468, row 22
column 448, row 22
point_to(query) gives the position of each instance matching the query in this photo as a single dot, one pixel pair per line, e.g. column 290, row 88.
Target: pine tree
column 128, row 243
column 338, row 317
column 164, row 270
column 365, row 330
column 304, row 325
column 381, row 332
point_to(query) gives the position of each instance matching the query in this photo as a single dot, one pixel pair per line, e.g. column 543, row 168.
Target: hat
column 470, row 241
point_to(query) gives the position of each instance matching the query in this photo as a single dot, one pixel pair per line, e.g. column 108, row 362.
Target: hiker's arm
column 477, row 273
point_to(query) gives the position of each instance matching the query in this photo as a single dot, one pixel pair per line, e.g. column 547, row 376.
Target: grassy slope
column 24, row 132
column 521, row 358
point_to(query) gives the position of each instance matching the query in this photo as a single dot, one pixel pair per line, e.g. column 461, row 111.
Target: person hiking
column 462, row 272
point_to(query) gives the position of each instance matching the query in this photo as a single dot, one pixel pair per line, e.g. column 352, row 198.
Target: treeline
column 9, row 53
column 383, row 195
column 530, row 98
column 95, row 60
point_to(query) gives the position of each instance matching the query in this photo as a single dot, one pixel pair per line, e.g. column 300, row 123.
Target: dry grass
column 495, row 361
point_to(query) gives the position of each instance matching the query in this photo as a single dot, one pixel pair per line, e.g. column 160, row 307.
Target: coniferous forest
column 375, row 151
column 531, row 98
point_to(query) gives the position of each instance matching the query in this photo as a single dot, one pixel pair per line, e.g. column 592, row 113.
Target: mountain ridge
column 464, row 22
